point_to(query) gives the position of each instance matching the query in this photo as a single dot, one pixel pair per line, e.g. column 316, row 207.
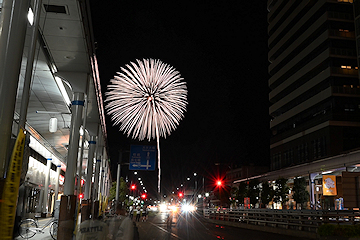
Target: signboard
column 142, row 157
column 11, row 188
column 329, row 185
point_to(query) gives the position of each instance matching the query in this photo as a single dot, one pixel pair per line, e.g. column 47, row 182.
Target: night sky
column 220, row 49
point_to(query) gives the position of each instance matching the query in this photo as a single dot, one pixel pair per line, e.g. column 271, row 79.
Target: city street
column 197, row 228
column 185, row 227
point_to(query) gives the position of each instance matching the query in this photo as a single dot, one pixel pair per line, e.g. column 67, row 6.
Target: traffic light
column 133, row 187
column 143, row 196
column 180, row 194
column 219, row 183
column 81, row 196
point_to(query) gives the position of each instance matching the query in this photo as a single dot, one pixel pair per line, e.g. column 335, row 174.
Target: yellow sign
column 11, row 188
column 329, row 185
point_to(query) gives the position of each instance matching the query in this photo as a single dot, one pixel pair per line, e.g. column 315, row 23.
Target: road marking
column 163, row 229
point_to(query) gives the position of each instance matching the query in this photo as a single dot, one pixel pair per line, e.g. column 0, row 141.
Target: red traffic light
column 81, row 196
column 143, row 196
column 219, row 183
column 133, row 187
column 181, row 194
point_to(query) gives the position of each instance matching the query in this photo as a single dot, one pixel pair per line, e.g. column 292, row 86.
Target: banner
column 329, row 185
column 11, row 188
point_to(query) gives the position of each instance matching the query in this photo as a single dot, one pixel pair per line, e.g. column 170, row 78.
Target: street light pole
column 118, row 180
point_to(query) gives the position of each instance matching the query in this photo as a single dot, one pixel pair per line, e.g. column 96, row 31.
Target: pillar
column 76, row 109
column 89, row 168
column 96, row 180
column 29, row 66
column 68, row 201
column 58, row 170
column 46, row 187
column 13, row 23
column 312, row 190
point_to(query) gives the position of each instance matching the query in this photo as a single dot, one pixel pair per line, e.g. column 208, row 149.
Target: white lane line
column 163, row 229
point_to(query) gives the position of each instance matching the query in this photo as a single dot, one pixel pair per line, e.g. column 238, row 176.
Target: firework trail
column 147, row 99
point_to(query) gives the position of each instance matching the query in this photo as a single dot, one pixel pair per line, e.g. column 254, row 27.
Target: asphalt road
column 186, row 227
column 194, row 227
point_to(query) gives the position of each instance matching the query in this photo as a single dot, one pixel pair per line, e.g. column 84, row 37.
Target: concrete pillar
column 312, row 189
column 103, row 179
column 68, row 201
column 13, row 23
column 90, row 165
column 29, row 66
column 46, row 187
column 96, row 180
column 76, row 108
column 58, row 170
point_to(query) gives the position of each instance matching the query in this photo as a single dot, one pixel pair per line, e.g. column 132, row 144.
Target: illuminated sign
column 329, row 185
column 142, row 157
column 61, row 179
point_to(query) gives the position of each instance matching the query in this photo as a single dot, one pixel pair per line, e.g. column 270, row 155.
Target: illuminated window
column 345, row 67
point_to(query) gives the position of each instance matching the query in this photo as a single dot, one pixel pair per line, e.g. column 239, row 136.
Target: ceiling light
column 30, row 16
column 63, row 90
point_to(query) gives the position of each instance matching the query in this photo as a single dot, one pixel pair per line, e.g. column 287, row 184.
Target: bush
column 339, row 230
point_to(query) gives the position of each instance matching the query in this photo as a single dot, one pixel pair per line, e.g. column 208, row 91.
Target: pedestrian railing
column 305, row 220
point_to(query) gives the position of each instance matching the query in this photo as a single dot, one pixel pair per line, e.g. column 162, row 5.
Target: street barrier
column 304, row 220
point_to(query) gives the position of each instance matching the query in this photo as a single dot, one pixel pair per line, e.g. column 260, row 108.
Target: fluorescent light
column 326, row 172
column 30, row 16
column 63, row 90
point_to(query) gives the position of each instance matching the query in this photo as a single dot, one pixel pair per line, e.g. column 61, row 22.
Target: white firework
column 147, row 99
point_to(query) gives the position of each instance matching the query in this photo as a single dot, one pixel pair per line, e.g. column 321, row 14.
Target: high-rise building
column 314, row 81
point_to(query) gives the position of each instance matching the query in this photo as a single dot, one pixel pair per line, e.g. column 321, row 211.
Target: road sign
column 142, row 157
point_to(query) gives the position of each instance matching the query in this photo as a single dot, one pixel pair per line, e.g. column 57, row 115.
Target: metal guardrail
column 305, row 220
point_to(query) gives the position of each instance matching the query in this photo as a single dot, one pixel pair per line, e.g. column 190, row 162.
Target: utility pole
column 118, row 180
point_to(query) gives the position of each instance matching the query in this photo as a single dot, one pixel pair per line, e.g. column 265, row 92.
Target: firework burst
column 147, row 99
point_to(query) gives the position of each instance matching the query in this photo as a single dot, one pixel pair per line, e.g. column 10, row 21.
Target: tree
column 300, row 194
column 281, row 191
column 123, row 190
column 223, row 194
column 233, row 196
column 241, row 192
column 253, row 191
column 267, row 193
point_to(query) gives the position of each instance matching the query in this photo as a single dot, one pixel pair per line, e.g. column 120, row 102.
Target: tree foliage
column 123, row 190
column 267, row 193
column 248, row 189
column 281, row 191
column 253, row 191
column 241, row 192
column 300, row 194
column 223, row 194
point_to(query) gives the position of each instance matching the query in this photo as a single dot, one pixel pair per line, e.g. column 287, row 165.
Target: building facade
column 314, row 81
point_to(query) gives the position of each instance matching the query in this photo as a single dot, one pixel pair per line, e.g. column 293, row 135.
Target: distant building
column 315, row 92
column 314, row 49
